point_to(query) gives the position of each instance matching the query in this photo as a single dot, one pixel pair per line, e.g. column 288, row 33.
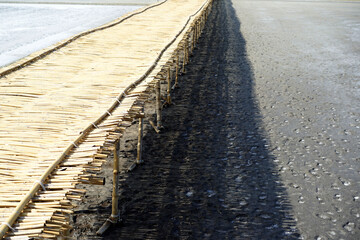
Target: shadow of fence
column 209, row 174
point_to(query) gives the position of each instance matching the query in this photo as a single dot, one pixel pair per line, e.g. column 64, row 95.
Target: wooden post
column 193, row 38
column 158, row 105
column 177, row 71
column 198, row 29
column 140, row 138
column 184, row 58
column 115, row 194
column 168, row 99
column 115, row 215
column 187, row 49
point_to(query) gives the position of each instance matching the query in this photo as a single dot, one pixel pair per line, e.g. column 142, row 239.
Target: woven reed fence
column 64, row 109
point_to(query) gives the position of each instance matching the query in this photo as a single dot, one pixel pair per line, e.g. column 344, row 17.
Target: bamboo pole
column 193, row 40
column 139, row 159
column 184, row 57
column 115, row 215
column 158, row 104
column 168, row 78
column 198, row 24
column 115, row 195
column 177, row 71
column 187, row 48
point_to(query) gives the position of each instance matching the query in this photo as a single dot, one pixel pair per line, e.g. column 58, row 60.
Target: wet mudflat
column 27, row 28
column 262, row 141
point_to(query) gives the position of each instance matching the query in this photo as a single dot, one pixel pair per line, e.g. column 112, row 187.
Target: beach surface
column 262, row 139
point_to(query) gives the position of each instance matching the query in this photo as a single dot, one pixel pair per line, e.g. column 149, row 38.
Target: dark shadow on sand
column 209, row 174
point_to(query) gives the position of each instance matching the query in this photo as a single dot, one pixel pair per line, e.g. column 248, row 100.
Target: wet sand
column 86, row 2
column 27, row 28
column 262, row 141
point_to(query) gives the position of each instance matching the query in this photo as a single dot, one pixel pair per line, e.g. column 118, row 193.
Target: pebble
column 349, row 226
column 211, row 193
column 189, row 194
column 262, row 197
column 272, row 227
column 265, row 216
column 323, row 216
column 338, row 197
column 243, row 203
column 238, row 179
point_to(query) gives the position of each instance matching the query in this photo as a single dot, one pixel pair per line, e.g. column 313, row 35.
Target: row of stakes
column 185, row 48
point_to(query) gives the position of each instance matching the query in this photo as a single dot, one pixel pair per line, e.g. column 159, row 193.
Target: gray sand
column 306, row 62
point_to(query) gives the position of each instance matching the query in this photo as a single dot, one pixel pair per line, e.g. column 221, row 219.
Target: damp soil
column 228, row 164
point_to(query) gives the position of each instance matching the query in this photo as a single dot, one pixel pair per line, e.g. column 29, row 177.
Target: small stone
column 337, row 197
column 272, row 227
column 323, row 216
column 189, row 194
column 238, row 179
column 313, row 171
column 243, row 203
column 345, row 182
column 294, row 185
column 262, row 197
column 265, row 216
column 321, row 201
column 349, row 226
column 211, row 193
column 338, row 209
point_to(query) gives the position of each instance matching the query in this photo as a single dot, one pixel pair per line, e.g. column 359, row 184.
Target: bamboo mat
column 48, row 104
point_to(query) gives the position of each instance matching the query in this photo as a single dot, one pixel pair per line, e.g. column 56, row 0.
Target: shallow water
column 26, row 28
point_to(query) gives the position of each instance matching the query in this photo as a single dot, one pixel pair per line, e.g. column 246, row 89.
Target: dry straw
column 56, row 126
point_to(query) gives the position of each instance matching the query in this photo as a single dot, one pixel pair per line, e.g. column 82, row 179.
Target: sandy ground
column 262, row 141
column 306, row 59
column 27, row 28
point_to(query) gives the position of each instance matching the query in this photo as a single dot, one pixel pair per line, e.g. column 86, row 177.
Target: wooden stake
column 139, row 145
column 115, row 215
column 154, row 126
column 187, row 50
column 177, row 71
column 193, row 38
column 168, row 99
column 158, row 104
column 115, row 194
